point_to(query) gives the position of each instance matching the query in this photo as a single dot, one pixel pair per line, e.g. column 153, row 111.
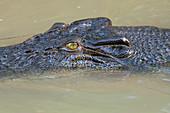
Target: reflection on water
column 82, row 92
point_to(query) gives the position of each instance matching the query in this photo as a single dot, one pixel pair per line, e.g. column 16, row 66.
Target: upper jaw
column 108, row 47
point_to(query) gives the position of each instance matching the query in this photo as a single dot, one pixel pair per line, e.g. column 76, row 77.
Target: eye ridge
column 72, row 45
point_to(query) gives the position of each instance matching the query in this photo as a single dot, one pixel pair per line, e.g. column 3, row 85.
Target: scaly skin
column 100, row 45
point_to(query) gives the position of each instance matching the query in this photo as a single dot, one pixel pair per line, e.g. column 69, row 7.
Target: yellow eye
column 72, row 45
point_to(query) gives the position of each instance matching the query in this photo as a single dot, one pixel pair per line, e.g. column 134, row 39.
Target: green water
column 82, row 92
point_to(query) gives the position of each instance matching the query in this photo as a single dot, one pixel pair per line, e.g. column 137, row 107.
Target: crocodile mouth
column 105, row 52
column 108, row 50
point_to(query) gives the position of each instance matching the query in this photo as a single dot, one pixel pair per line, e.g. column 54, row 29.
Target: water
column 86, row 92
column 82, row 92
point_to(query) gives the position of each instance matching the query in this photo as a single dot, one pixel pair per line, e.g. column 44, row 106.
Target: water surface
column 82, row 92
column 86, row 92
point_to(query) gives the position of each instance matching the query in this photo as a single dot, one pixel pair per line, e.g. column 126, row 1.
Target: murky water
column 86, row 92
column 82, row 92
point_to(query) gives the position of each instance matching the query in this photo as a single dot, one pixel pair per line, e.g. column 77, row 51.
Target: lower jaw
column 91, row 64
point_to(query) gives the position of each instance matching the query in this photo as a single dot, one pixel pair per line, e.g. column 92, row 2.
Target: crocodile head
column 90, row 43
column 93, row 43
column 82, row 44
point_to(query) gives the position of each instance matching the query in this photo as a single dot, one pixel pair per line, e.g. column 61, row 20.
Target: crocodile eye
column 72, row 45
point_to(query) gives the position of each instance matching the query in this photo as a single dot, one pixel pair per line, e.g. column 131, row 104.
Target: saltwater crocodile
column 88, row 43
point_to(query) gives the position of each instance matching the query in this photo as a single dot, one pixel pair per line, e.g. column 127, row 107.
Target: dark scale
column 88, row 43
